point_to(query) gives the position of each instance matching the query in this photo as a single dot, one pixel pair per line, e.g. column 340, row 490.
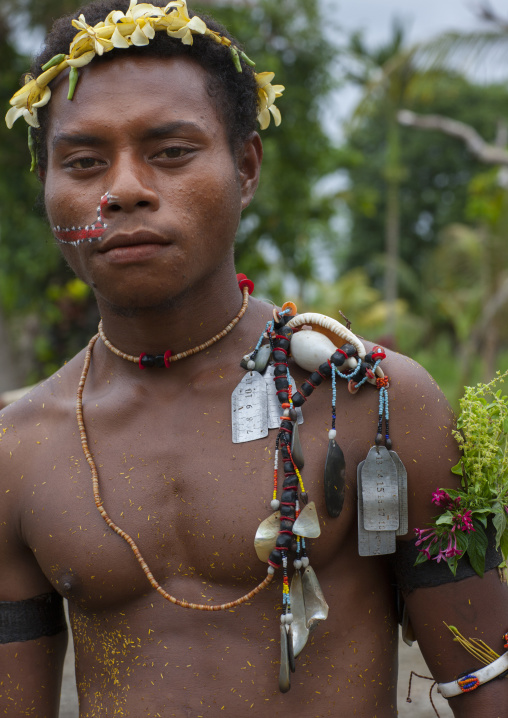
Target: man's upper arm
column 33, row 635
column 477, row 607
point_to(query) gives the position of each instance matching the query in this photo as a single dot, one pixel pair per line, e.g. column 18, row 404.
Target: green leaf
column 445, row 518
column 499, row 521
column 503, row 544
column 477, row 548
column 421, row 558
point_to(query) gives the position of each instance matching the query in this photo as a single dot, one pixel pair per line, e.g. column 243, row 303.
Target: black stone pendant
column 335, row 479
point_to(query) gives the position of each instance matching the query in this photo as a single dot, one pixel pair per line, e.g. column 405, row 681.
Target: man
column 141, row 483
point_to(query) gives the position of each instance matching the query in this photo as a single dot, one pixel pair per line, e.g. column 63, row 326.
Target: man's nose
column 131, row 187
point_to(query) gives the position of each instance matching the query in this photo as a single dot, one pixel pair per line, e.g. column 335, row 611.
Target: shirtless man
column 156, row 140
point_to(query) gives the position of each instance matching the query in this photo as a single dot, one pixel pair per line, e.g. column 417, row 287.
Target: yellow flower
column 137, row 26
column 267, row 93
column 25, row 103
column 88, row 35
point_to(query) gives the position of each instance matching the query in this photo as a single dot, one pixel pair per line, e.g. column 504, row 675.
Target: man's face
column 144, row 132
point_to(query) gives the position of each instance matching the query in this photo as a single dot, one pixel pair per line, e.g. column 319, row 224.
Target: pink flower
column 440, row 497
column 464, row 521
column 452, row 550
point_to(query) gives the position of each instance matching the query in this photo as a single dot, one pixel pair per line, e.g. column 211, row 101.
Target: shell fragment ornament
column 334, row 330
column 266, row 536
column 334, row 479
column 299, row 626
column 285, row 670
column 249, row 409
column 307, row 523
column 310, row 349
column 316, row 607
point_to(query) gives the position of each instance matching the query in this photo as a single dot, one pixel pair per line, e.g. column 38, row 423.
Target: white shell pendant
column 334, row 330
column 299, row 625
column 309, row 349
column 266, row 536
column 284, row 673
column 307, row 523
column 316, row 608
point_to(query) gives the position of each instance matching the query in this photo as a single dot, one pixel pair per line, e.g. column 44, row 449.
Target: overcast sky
column 423, row 19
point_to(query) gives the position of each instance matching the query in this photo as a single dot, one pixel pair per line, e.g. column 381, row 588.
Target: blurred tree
column 438, row 172
column 280, row 231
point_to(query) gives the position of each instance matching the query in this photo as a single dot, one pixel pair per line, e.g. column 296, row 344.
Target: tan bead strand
column 182, row 355
column 123, row 534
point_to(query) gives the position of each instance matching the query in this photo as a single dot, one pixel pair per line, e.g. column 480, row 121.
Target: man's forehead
column 164, row 91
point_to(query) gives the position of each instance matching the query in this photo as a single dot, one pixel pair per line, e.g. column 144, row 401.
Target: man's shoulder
column 49, row 401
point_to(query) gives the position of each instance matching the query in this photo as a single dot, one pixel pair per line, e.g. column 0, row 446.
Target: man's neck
column 179, row 324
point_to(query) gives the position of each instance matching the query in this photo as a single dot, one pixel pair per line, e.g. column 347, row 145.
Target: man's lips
column 128, row 240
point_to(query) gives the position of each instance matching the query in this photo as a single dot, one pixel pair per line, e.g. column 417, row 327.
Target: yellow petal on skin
column 82, row 60
column 264, row 78
column 276, row 115
column 264, row 119
column 119, row 40
column 138, row 37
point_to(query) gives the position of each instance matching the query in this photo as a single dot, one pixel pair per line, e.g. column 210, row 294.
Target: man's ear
column 249, row 167
column 41, row 173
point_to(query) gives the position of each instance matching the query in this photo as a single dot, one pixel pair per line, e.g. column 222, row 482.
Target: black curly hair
column 234, row 93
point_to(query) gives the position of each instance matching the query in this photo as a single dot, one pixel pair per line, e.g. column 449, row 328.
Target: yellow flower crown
column 121, row 30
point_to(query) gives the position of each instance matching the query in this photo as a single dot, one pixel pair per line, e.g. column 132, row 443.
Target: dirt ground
column 409, row 659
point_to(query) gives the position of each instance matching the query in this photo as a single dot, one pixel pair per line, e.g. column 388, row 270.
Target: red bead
column 140, row 358
column 244, row 282
column 166, row 358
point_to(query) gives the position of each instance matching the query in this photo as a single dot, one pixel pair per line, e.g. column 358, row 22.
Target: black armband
column 431, row 573
column 32, row 618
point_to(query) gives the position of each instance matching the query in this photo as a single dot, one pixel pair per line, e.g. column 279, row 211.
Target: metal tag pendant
column 380, row 491
column 249, row 409
column 371, row 543
column 316, row 607
column 402, row 481
column 274, row 409
column 334, row 479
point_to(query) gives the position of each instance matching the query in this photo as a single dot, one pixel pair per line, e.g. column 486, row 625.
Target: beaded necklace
column 146, row 361
column 246, row 286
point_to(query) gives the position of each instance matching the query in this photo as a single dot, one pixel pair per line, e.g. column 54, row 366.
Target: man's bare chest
column 171, row 479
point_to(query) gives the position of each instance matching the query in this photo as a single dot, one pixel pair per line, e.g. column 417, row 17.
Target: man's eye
column 84, row 163
column 173, row 153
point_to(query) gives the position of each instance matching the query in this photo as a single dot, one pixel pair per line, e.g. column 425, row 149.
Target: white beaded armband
column 475, row 679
